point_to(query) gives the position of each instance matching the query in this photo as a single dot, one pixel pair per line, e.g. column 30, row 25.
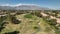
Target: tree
column 14, row 20
column 2, row 18
column 52, row 21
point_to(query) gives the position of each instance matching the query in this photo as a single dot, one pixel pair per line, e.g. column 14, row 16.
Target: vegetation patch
column 28, row 16
column 2, row 23
column 36, row 27
column 48, row 29
column 15, row 32
column 52, row 21
column 15, row 21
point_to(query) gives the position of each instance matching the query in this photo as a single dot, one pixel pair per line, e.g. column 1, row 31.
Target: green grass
column 28, row 16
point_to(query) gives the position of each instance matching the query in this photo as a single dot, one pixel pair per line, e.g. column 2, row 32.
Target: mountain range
column 23, row 7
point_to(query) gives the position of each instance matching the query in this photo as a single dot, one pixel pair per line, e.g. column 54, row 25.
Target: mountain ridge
column 23, row 7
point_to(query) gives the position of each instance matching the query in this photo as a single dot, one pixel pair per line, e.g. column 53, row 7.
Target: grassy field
column 30, row 24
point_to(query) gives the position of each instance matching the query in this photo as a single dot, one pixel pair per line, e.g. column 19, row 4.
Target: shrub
column 52, row 21
column 15, row 32
column 1, row 28
column 2, row 23
column 15, row 21
column 35, row 27
column 3, row 18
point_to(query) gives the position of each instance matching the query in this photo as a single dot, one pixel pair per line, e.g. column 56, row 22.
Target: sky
column 53, row 4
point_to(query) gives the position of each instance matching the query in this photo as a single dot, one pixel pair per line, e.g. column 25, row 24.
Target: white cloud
column 6, row 5
column 17, row 4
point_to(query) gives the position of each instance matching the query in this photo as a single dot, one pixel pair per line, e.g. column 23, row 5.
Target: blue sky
column 54, row 4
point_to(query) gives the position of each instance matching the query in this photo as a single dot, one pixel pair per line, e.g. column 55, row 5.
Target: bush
column 15, row 21
column 36, row 27
column 1, row 28
column 15, row 32
column 52, row 21
column 3, row 18
column 2, row 23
